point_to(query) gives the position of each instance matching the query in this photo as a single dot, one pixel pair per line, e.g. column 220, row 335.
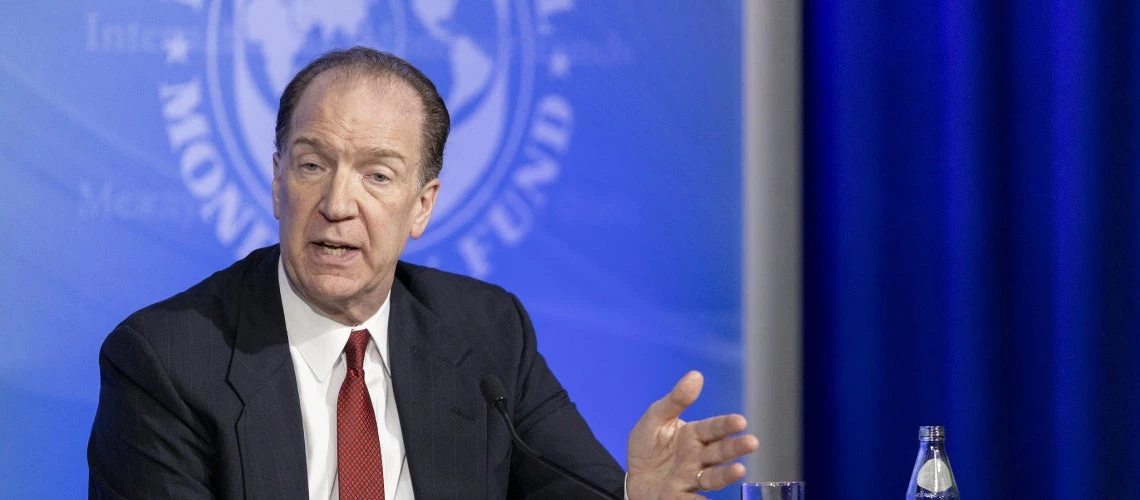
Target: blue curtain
column 972, row 212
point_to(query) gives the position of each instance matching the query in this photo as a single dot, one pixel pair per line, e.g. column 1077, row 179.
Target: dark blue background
column 972, row 193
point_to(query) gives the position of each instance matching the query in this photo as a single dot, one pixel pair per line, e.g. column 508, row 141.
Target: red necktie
column 359, row 466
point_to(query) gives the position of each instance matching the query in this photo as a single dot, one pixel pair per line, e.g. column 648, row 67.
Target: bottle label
column 934, row 476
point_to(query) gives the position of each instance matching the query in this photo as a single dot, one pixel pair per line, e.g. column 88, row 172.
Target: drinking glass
column 778, row 490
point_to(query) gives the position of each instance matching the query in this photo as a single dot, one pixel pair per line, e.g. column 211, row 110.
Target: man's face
column 346, row 191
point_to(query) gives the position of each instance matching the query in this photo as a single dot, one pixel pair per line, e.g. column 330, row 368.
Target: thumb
column 682, row 395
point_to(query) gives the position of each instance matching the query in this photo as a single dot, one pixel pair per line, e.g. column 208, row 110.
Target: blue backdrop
column 972, row 220
column 594, row 171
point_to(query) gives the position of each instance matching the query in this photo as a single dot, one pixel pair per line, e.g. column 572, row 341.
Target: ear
column 422, row 209
column 276, row 186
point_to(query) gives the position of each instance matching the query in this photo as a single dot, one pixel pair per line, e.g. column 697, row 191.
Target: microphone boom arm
column 493, row 392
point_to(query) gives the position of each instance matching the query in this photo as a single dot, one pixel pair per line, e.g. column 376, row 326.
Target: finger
column 727, row 450
column 682, row 395
column 716, row 478
column 714, row 428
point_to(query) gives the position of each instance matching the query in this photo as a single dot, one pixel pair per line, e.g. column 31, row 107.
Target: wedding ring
column 699, row 473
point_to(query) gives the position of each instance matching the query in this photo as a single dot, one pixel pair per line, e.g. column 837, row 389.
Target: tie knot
column 354, row 349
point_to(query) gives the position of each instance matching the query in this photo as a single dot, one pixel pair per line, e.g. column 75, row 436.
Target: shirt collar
column 321, row 340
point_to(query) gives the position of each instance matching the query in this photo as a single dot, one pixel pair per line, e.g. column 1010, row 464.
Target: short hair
column 372, row 62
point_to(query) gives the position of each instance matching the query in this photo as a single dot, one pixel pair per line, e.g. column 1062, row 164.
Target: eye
column 309, row 170
column 377, row 177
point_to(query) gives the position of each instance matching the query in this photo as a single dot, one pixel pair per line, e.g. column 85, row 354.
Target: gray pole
column 773, row 235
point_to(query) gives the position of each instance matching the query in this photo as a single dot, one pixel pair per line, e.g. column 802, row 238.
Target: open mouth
column 334, row 249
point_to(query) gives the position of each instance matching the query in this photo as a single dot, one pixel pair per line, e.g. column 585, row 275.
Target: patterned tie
column 359, row 465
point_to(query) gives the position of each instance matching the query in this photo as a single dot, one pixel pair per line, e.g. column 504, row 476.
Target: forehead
column 359, row 108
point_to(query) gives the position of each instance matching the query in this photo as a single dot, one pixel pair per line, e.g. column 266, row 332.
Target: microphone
column 496, row 396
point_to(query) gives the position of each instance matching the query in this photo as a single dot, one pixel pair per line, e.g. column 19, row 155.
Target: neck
column 350, row 312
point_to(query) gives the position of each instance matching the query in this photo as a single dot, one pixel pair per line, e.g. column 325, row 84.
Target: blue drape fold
column 972, row 212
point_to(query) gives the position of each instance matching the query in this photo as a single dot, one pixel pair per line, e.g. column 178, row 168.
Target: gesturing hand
column 666, row 454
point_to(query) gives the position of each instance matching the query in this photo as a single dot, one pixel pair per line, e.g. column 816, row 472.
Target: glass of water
column 778, row 490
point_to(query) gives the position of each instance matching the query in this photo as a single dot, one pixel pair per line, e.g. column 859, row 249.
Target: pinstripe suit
column 198, row 396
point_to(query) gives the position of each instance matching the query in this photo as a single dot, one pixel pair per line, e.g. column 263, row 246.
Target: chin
column 333, row 288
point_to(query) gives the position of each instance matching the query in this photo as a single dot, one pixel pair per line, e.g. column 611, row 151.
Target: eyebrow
column 376, row 152
column 310, row 141
column 314, row 143
column 383, row 153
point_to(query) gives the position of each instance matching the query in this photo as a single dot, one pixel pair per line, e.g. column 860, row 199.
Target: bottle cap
column 931, row 433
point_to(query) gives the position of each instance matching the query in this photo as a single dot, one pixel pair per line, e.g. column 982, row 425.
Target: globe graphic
column 463, row 46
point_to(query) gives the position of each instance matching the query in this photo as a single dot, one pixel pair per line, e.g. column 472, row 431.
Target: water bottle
column 932, row 477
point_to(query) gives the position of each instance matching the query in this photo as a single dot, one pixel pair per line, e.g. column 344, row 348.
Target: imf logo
column 510, row 126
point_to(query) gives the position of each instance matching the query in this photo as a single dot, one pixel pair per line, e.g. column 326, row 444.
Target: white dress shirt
column 316, row 345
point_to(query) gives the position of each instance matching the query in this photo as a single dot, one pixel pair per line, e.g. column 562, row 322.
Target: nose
column 339, row 200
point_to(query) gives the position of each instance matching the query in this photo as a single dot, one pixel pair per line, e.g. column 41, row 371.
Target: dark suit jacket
column 199, row 397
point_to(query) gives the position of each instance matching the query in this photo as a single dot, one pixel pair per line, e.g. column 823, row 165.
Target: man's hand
column 666, row 453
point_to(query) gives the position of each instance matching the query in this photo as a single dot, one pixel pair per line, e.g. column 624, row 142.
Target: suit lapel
column 442, row 414
column 271, row 438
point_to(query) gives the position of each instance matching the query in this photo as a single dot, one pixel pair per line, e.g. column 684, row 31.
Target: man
column 325, row 368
